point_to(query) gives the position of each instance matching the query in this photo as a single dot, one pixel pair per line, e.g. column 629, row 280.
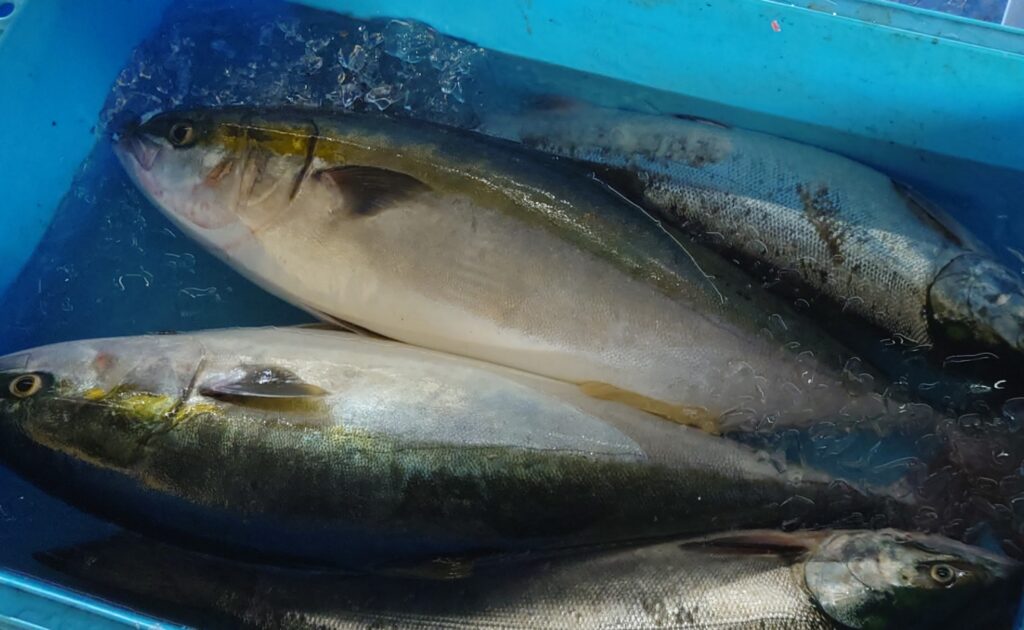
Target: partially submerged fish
column 819, row 220
column 748, row 580
column 449, row 240
column 320, row 447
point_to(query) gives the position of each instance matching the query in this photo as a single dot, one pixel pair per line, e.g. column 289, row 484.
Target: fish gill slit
column 259, row 158
column 307, row 163
column 186, row 394
column 243, row 166
column 220, row 171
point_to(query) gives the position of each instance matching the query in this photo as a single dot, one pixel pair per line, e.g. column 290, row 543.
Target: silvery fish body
column 328, row 448
column 449, row 240
column 846, row 231
column 743, row 581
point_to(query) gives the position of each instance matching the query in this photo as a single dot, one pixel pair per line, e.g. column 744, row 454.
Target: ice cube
column 408, row 41
column 382, row 96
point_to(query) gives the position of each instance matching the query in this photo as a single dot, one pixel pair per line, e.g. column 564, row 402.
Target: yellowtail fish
column 320, row 447
column 863, row 580
column 448, row 240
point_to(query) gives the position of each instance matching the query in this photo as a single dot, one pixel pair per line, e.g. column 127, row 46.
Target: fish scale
column 879, row 260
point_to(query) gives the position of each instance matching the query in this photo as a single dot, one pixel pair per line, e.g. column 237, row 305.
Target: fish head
column 220, row 175
column 976, row 305
column 893, row 579
column 96, row 401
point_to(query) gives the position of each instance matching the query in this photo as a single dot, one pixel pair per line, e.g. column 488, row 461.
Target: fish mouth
column 139, row 148
column 1008, row 569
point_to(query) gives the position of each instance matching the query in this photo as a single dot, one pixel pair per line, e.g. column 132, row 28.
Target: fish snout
column 15, row 362
column 1004, row 569
column 137, row 149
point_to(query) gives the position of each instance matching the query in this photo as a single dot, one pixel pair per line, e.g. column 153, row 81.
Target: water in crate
column 346, row 322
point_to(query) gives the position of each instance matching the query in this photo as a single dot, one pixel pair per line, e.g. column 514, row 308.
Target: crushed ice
column 332, row 62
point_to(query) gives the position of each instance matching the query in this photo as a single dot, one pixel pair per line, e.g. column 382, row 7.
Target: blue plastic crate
column 934, row 100
column 30, row 604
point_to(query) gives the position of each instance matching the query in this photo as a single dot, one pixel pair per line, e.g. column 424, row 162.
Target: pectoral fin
column 262, row 382
column 697, row 417
column 367, row 190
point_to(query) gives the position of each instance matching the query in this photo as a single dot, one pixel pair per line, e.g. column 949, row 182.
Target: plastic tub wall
column 934, row 100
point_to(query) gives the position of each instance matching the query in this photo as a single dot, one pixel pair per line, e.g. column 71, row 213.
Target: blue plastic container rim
column 28, row 603
column 829, row 45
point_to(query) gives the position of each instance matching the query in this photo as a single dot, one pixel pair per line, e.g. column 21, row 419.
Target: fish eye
column 25, row 385
column 943, row 574
column 181, row 134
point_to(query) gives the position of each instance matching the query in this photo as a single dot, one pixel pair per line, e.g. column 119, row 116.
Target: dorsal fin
column 759, row 542
column 930, row 213
column 701, row 120
column 330, row 322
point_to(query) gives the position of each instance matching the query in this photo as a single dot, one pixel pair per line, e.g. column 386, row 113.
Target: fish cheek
column 105, row 435
column 197, row 202
column 16, row 415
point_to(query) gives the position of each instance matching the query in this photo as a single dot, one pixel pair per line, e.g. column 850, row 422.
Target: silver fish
column 743, row 581
column 321, row 447
column 449, row 240
column 832, row 224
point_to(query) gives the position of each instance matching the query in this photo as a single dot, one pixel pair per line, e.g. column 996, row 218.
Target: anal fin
column 442, row 568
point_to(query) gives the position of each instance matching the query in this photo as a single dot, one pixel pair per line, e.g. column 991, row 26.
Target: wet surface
column 111, row 264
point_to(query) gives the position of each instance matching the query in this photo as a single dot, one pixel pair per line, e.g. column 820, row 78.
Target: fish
column 816, row 225
column 323, row 448
column 852, row 579
column 446, row 239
